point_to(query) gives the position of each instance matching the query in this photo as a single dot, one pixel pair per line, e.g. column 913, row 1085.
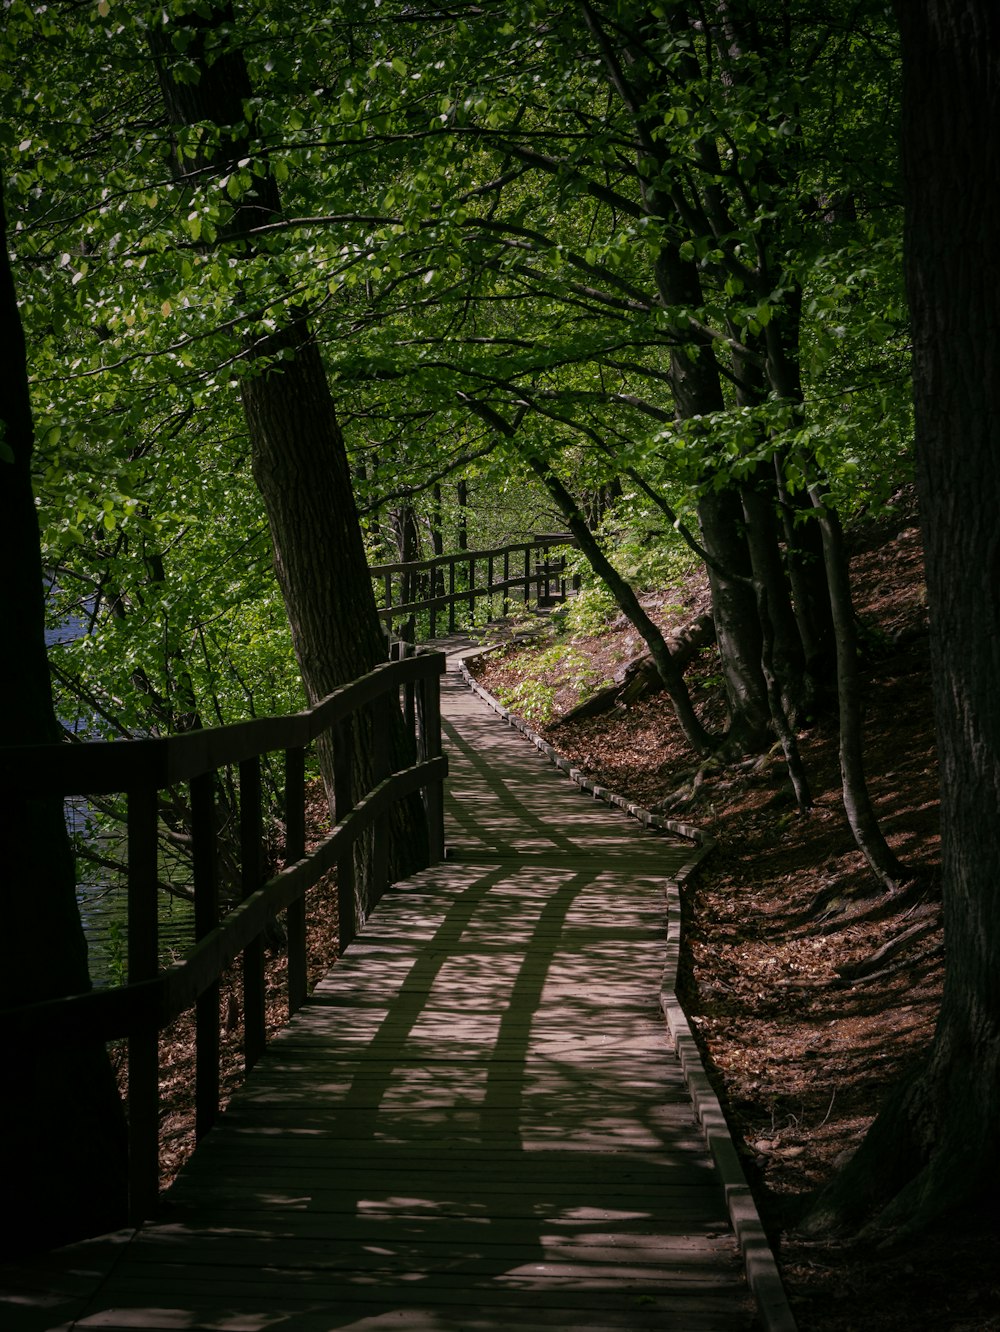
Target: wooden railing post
column 206, row 918
column 381, row 767
column 342, row 739
column 154, row 998
column 295, row 849
column 143, row 964
column 251, row 878
column 423, row 586
column 429, row 747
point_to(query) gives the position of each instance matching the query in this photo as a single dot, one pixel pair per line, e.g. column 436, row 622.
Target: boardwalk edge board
column 763, row 1277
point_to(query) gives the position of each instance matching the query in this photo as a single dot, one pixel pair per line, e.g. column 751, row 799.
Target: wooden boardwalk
column 477, row 1122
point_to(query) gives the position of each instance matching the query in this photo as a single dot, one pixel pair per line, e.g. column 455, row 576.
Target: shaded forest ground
column 809, row 994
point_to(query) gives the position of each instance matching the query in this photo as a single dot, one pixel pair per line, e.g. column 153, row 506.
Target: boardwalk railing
column 141, row 769
column 448, row 584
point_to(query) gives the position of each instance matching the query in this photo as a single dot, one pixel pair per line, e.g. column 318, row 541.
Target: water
column 102, row 899
column 101, row 893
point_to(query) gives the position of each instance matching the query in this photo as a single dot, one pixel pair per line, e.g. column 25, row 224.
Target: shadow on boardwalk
column 476, row 1122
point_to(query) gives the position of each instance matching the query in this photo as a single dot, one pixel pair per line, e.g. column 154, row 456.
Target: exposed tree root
column 873, row 965
column 915, row 1166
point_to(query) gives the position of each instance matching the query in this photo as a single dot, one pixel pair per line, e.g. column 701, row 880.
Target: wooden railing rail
column 431, row 586
column 141, row 768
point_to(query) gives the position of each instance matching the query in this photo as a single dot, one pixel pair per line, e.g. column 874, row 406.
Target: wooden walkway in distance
column 477, row 1122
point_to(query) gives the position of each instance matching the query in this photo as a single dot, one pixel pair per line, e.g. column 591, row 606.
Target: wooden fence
column 523, row 571
column 140, row 769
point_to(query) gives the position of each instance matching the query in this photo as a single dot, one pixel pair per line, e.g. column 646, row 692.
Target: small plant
column 531, row 699
column 117, row 954
column 559, row 666
column 589, row 612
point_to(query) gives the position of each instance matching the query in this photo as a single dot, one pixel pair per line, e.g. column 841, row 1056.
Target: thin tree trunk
column 857, row 803
column 624, row 595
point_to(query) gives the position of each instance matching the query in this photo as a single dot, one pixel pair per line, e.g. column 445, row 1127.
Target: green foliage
column 558, row 667
column 116, row 950
column 479, row 224
column 587, row 613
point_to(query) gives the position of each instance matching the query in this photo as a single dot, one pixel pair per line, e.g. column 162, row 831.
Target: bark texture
column 62, row 1128
column 299, row 457
column 937, row 1143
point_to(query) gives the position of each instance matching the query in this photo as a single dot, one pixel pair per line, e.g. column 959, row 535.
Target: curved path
column 476, row 1124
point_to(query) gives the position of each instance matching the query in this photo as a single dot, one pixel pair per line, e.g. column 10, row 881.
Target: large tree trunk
column 937, row 1143
column 62, row 1130
column 299, row 458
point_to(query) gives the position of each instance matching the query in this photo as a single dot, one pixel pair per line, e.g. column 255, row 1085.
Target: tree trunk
column 857, row 803
column 737, row 626
column 788, row 661
column 462, row 521
column 936, row 1144
column 63, row 1157
column 623, row 593
column 696, row 389
column 300, row 462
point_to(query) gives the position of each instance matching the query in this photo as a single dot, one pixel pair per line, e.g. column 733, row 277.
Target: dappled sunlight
column 476, row 1121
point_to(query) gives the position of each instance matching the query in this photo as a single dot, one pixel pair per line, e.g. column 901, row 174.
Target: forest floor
column 809, row 991
column 804, row 1021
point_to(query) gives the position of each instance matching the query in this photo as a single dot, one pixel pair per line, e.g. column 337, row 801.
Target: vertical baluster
column 206, row 918
column 527, row 574
column 251, row 878
column 451, row 596
column 343, row 802
column 489, row 588
column 430, row 748
column 472, row 590
column 381, row 767
column 506, row 582
column 295, row 849
column 143, row 1046
column 409, row 698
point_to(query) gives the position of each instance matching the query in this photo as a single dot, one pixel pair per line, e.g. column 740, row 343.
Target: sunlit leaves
column 470, row 212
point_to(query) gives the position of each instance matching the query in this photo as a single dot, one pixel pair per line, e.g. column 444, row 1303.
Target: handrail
column 140, row 768
column 94, row 767
column 108, row 1015
column 403, row 583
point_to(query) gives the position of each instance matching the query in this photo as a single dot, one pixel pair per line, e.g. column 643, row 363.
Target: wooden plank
column 404, row 1315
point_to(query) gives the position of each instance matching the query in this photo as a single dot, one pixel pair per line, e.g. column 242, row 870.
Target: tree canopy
column 443, row 275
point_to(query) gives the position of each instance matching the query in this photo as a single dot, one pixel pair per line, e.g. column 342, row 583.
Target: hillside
column 810, row 993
